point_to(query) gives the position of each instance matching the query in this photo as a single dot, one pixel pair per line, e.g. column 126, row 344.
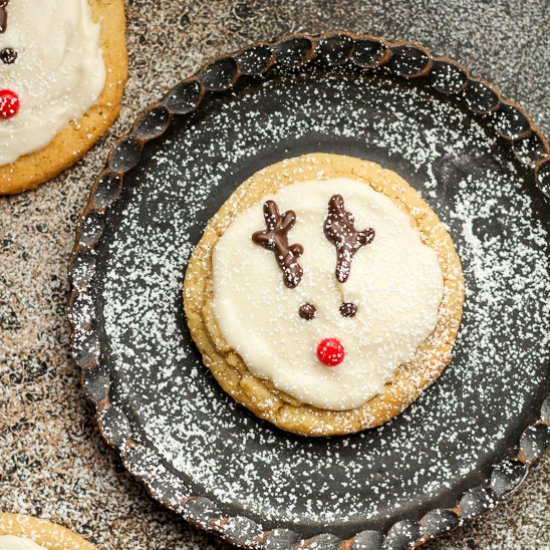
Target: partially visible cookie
column 19, row 532
column 340, row 334
column 66, row 64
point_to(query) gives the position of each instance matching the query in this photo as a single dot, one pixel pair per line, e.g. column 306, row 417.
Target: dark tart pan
column 483, row 166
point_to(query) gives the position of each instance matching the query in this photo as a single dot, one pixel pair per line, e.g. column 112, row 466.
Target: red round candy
column 9, row 104
column 330, row 352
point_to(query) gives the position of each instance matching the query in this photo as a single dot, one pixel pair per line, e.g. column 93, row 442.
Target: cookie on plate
column 19, row 532
column 64, row 66
column 324, row 295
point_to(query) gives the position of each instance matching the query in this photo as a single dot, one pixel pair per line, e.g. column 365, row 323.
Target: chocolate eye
column 307, row 311
column 347, row 309
column 8, row 56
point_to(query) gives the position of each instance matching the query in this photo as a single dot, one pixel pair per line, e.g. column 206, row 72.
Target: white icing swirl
column 395, row 281
column 58, row 75
column 11, row 542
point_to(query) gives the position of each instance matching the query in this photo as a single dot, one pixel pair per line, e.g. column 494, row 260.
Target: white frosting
column 10, row 542
column 58, row 75
column 395, row 281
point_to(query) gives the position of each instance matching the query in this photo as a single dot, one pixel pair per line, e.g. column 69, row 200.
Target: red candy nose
column 330, row 352
column 9, row 104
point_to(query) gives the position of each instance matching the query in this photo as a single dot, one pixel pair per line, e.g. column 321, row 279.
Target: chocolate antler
column 340, row 231
column 275, row 238
column 3, row 15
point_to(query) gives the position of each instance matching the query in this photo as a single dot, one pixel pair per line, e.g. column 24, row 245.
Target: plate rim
column 221, row 73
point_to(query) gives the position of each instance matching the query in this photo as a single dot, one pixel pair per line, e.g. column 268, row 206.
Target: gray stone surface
column 53, row 461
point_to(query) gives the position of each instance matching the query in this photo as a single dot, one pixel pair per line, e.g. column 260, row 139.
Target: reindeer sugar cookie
column 324, row 295
column 20, row 532
column 63, row 66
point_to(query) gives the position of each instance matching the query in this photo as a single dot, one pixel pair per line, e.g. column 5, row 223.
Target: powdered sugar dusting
column 456, row 426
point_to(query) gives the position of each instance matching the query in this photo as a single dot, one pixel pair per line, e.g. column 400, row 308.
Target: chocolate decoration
column 340, row 231
column 307, row 311
column 275, row 238
column 3, row 15
column 8, row 56
column 347, row 309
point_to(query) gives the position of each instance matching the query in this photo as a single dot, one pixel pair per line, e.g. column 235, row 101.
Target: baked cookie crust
column 42, row 532
column 71, row 142
column 260, row 396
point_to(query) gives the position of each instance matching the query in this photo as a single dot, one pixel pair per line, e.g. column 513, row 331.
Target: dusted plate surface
column 445, row 443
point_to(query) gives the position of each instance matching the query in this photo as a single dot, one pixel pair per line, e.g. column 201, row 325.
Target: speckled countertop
column 53, row 461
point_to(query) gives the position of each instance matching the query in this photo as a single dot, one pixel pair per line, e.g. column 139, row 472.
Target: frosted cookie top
column 11, row 542
column 51, row 64
column 329, row 300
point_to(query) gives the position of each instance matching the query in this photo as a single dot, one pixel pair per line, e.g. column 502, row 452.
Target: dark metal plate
column 480, row 163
